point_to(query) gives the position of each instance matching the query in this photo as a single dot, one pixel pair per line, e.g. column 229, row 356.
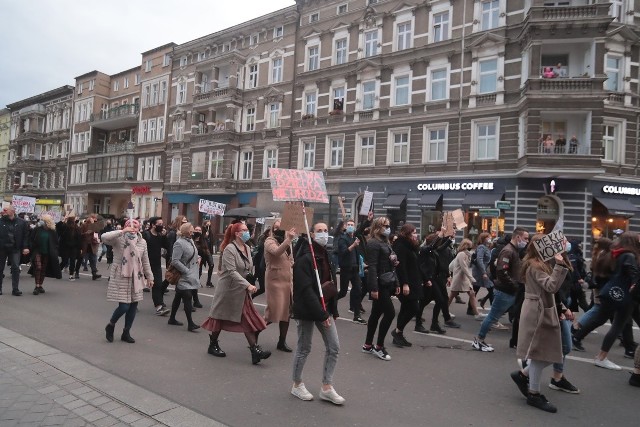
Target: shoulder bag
column 388, row 279
column 172, row 275
column 615, row 292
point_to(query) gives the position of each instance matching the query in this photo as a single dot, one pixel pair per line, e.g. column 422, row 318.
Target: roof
column 43, row 97
column 155, row 49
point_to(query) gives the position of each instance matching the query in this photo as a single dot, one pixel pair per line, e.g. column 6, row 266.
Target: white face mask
column 321, row 238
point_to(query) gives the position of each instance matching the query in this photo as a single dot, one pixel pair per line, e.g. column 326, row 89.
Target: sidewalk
column 41, row 386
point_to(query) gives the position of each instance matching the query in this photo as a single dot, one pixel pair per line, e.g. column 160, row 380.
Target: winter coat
column 123, row 289
column 462, row 280
column 20, row 231
column 508, row 269
column 88, row 240
column 429, row 265
column 408, row 270
column 231, row 291
column 184, row 257
column 378, row 252
column 345, row 256
column 70, row 240
column 306, row 297
column 278, row 280
column 481, row 266
column 53, row 262
column 539, row 334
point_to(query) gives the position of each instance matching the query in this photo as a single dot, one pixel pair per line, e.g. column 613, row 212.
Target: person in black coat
column 410, row 277
column 70, row 244
column 309, row 312
column 44, row 245
column 14, row 242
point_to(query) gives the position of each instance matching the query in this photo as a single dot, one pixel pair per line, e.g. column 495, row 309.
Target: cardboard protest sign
column 550, row 245
column 448, row 224
column 24, row 204
column 211, row 208
column 458, row 219
column 292, row 217
column 55, row 215
column 290, row 185
column 367, row 200
column 342, row 209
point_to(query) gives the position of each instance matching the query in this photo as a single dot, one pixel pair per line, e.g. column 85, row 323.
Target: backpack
column 474, row 258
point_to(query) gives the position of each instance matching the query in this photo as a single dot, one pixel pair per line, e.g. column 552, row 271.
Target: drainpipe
column 637, row 142
column 293, row 88
column 464, row 18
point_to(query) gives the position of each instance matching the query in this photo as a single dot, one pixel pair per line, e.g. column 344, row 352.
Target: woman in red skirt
column 232, row 309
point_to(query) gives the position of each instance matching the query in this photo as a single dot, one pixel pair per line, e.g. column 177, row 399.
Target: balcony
column 33, row 109
column 124, row 116
column 30, row 135
column 98, row 148
column 217, row 96
column 569, row 13
column 221, row 132
column 560, row 87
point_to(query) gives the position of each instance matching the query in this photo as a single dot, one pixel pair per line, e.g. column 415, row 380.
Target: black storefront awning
column 394, row 201
column 618, row 207
column 430, row 201
column 477, row 201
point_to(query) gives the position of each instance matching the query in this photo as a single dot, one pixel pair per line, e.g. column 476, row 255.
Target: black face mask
column 196, row 235
column 279, row 235
column 159, row 228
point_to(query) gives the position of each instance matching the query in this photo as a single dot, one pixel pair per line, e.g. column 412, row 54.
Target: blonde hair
column 184, row 228
column 48, row 221
column 465, row 245
column 377, row 227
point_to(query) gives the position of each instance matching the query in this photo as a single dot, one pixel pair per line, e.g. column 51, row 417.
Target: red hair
column 229, row 234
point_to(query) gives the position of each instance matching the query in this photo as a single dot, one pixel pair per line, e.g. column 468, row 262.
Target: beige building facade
column 5, row 126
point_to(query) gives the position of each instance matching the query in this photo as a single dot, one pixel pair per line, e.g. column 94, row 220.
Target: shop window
column 604, row 224
column 548, row 212
column 478, row 223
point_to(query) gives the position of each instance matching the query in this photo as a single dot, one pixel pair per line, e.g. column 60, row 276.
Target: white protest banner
column 291, row 185
column 211, row 208
column 259, row 220
column 55, row 215
column 550, row 245
column 24, row 204
column 367, row 200
column 458, row 219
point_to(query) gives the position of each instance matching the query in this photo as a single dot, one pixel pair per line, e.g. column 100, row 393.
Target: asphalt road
column 440, row 381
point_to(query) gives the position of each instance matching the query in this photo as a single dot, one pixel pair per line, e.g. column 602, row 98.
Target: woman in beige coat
column 232, row 309
column 128, row 275
column 279, row 280
column 539, row 336
column 462, row 280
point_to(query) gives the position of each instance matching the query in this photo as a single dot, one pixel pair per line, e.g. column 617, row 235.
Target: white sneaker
column 607, row 364
column 499, row 326
column 301, row 392
column 72, row 278
column 481, row 346
column 380, row 352
column 479, row 317
column 331, row 396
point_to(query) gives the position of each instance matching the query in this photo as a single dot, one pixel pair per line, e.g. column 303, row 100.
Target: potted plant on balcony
column 308, row 117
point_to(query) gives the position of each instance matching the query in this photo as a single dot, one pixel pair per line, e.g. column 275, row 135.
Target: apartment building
column 519, row 112
column 38, row 148
column 230, row 114
column 5, row 125
column 118, row 140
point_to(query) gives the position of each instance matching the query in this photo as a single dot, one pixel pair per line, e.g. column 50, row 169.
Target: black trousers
column 351, row 274
column 517, row 308
column 408, row 308
column 438, row 293
column 184, row 296
column 383, row 306
column 157, row 292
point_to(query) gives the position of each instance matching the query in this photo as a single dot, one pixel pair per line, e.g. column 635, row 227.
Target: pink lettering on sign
column 290, row 185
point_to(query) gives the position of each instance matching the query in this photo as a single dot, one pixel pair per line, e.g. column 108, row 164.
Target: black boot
column 209, row 285
column 109, row 329
column 282, row 346
column 258, row 354
column 214, row 348
column 96, row 276
column 126, row 337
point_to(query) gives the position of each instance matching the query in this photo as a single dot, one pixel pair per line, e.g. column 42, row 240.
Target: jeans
column 588, row 319
column 351, row 274
column 383, row 306
column 92, row 262
column 502, row 302
column 129, row 310
column 14, row 259
column 331, row 344
column 565, row 335
column 620, row 318
column 535, row 374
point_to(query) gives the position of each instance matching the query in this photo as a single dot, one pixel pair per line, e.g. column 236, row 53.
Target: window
column 612, row 70
column 314, row 58
column 276, row 70
column 314, row 17
column 92, row 84
column 274, row 115
column 404, row 36
column 367, row 150
column 147, row 65
column 151, row 130
column 253, row 76
column 439, row 84
column 440, row 26
column 126, row 82
column 270, row 161
column 400, row 147
column 183, row 61
column 436, row 144
column 80, row 89
column 609, row 142
column 486, row 141
column 308, row 155
column 310, row 103
column 163, row 91
column 176, row 169
column 116, row 85
column 202, row 56
column 341, row 51
column 149, row 168
column 182, row 93
column 198, row 162
column 251, row 119
column 490, row 14
column 342, row 9
column 336, row 155
column 137, row 79
column 246, row 171
column 154, row 93
column 402, row 90
column 488, row 75
column 278, row 32
column 253, row 40
column 166, row 60
column 370, row 43
column 178, row 130
column 215, row 163
column 338, row 98
column 616, row 10
column 160, row 131
column 369, row 95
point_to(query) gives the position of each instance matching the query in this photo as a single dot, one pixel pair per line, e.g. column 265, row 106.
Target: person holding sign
column 462, row 279
column 539, row 338
column 349, row 261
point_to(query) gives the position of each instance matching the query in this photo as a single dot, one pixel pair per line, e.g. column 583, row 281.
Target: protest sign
column 458, row 219
column 55, row 215
column 290, row 185
column 367, row 200
column 292, row 217
column 343, row 211
column 448, row 224
column 259, row 220
column 550, row 245
column 211, row 208
column 24, row 204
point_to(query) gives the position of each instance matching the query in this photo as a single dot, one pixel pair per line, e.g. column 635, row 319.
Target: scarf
column 132, row 261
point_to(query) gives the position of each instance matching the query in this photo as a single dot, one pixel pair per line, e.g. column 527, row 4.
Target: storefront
column 613, row 208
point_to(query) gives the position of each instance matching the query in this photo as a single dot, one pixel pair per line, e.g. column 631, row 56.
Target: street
column 439, row 381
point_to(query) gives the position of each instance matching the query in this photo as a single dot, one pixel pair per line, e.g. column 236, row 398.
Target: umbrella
column 247, row 212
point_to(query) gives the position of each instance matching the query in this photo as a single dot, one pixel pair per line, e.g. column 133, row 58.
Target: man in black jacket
column 156, row 238
column 14, row 242
column 349, row 259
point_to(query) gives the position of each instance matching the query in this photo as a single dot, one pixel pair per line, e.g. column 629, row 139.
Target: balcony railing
column 568, row 149
column 566, row 13
column 121, row 111
column 111, row 147
column 215, row 95
column 583, row 85
column 486, row 99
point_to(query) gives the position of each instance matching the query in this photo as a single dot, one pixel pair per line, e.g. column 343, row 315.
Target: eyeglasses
column 386, row 225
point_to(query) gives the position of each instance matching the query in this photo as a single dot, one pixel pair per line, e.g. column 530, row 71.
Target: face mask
column 130, row 236
column 278, row 234
column 522, row 244
column 159, row 228
column 32, row 226
column 245, row 236
column 41, row 223
column 321, row 238
column 197, row 234
column 386, row 232
column 568, row 247
column 350, row 229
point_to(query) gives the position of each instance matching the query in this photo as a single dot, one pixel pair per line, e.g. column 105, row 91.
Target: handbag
column 615, row 292
column 388, row 280
column 329, row 289
column 172, row 275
